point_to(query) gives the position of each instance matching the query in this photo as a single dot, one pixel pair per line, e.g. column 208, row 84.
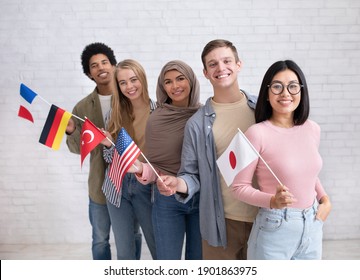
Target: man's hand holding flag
column 59, row 120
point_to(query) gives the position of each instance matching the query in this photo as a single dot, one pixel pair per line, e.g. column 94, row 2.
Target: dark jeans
column 173, row 220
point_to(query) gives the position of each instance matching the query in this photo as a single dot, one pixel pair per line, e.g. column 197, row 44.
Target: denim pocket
column 270, row 222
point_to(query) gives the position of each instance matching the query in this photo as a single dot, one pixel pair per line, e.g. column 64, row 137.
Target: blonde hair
column 122, row 113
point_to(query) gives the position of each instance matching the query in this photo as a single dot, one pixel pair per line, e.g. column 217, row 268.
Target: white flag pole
column 48, row 103
column 78, row 118
column 268, row 167
column 152, row 167
column 43, row 99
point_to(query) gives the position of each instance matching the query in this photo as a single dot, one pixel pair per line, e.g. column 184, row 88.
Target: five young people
column 183, row 141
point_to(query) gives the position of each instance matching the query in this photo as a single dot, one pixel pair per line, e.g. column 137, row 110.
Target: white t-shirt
column 105, row 102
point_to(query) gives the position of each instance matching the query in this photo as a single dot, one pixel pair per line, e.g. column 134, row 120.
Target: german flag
column 54, row 128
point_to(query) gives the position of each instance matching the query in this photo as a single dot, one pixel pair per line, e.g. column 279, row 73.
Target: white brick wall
column 44, row 193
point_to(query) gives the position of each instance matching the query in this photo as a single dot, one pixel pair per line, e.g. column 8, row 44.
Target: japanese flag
column 236, row 157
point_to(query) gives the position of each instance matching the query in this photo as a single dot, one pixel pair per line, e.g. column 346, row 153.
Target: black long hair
column 263, row 110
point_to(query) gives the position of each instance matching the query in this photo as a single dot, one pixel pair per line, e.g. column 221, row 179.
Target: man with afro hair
column 98, row 63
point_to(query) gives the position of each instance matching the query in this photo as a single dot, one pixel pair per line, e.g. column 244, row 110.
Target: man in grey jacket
column 225, row 222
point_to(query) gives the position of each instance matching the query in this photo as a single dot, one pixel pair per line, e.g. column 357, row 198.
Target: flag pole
column 112, row 143
column 78, row 118
column 268, row 167
column 43, row 99
column 153, row 169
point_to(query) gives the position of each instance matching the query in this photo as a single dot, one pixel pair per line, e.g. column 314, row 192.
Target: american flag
column 125, row 154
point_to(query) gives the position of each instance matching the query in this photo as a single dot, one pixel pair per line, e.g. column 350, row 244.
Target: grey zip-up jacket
column 199, row 168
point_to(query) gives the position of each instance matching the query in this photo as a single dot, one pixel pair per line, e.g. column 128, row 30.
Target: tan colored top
column 139, row 124
column 225, row 127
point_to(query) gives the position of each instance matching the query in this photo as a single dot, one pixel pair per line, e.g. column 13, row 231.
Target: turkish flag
column 91, row 136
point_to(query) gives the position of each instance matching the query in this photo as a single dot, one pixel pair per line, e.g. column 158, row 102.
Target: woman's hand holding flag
column 108, row 141
column 282, row 198
column 167, row 185
column 136, row 168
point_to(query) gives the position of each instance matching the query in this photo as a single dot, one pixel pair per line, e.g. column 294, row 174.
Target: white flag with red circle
column 236, row 157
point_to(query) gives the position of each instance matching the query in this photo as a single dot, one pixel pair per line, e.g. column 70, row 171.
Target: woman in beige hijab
column 178, row 95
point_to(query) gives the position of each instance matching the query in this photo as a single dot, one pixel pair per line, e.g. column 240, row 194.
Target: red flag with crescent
column 91, row 136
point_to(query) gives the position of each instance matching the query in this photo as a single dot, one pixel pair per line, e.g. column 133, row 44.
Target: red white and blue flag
column 236, row 157
column 125, row 154
column 28, row 95
column 25, row 114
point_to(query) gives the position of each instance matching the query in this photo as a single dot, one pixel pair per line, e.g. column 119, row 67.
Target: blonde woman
column 132, row 206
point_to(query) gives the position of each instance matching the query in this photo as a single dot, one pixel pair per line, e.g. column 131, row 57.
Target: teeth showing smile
column 222, row 76
column 103, row 75
column 285, row 102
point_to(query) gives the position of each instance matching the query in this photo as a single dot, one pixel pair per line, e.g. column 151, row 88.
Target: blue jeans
column 172, row 220
column 135, row 209
column 286, row 234
column 100, row 222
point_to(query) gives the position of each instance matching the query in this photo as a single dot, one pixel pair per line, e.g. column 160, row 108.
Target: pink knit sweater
column 292, row 154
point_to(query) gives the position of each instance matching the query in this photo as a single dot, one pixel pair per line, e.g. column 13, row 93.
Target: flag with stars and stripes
column 125, row 154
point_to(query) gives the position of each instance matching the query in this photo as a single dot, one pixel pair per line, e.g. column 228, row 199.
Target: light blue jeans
column 100, row 223
column 135, row 210
column 172, row 221
column 286, row 234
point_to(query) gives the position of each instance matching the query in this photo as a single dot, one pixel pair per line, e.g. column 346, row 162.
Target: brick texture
column 44, row 192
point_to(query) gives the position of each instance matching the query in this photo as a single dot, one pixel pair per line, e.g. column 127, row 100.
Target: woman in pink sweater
column 291, row 215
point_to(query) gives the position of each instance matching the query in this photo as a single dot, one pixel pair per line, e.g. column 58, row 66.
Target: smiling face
column 177, row 88
column 284, row 104
column 129, row 83
column 101, row 70
column 221, row 67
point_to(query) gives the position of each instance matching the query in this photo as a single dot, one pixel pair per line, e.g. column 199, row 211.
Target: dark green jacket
column 91, row 108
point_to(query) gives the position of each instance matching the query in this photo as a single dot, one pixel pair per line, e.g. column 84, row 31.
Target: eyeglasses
column 277, row 88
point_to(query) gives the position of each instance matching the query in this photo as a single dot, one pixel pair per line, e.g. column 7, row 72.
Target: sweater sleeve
column 108, row 154
column 148, row 175
column 243, row 187
column 189, row 168
column 320, row 191
column 73, row 140
column 244, row 190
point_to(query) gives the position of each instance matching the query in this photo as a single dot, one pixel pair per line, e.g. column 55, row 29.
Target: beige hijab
column 165, row 127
